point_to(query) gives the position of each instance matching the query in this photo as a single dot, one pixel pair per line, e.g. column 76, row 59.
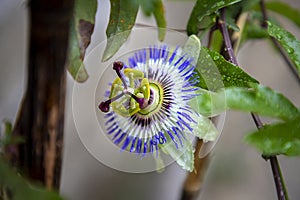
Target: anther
column 118, row 66
column 104, row 105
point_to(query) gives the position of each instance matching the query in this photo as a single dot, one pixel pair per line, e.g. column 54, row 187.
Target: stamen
column 141, row 101
column 132, row 75
column 104, row 105
column 118, row 66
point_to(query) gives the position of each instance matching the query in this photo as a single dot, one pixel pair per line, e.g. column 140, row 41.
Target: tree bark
column 41, row 116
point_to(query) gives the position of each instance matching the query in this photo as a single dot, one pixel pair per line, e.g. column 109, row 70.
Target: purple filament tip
column 104, row 106
column 118, row 66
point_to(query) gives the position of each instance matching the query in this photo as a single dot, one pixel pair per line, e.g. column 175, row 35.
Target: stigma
column 129, row 93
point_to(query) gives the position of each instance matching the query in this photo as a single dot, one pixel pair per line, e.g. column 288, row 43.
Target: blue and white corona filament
column 149, row 101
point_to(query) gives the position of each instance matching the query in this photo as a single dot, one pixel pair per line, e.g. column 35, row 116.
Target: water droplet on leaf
column 290, row 50
column 220, row 3
column 216, row 57
column 270, row 24
column 279, row 37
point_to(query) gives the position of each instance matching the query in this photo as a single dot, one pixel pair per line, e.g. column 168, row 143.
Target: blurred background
column 236, row 171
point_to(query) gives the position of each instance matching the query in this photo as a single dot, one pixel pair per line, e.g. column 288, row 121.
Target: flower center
column 131, row 93
column 155, row 100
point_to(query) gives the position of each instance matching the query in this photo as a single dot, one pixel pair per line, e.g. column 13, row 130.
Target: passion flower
column 148, row 103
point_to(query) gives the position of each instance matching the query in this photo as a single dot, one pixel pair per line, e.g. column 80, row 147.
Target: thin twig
column 276, row 43
column 279, row 182
column 278, row 179
column 142, row 25
column 227, row 41
column 257, row 121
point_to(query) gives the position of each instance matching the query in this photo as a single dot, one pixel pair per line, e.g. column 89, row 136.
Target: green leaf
column 184, row 157
column 235, row 11
column 212, row 68
column 288, row 41
column 254, row 31
column 156, row 8
column 285, row 10
column 217, row 41
column 7, row 138
column 230, row 23
column 192, row 47
column 283, row 138
column 81, row 29
column 253, row 28
column 160, row 165
column 20, row 188
column 248, row 5
column 159, row 15
column 259, row 99
column 231, row 75
column 207, row 72
column 202, row 9
column 85, row 10
column 75, row 61
column 205, row 129
column 122, row 18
